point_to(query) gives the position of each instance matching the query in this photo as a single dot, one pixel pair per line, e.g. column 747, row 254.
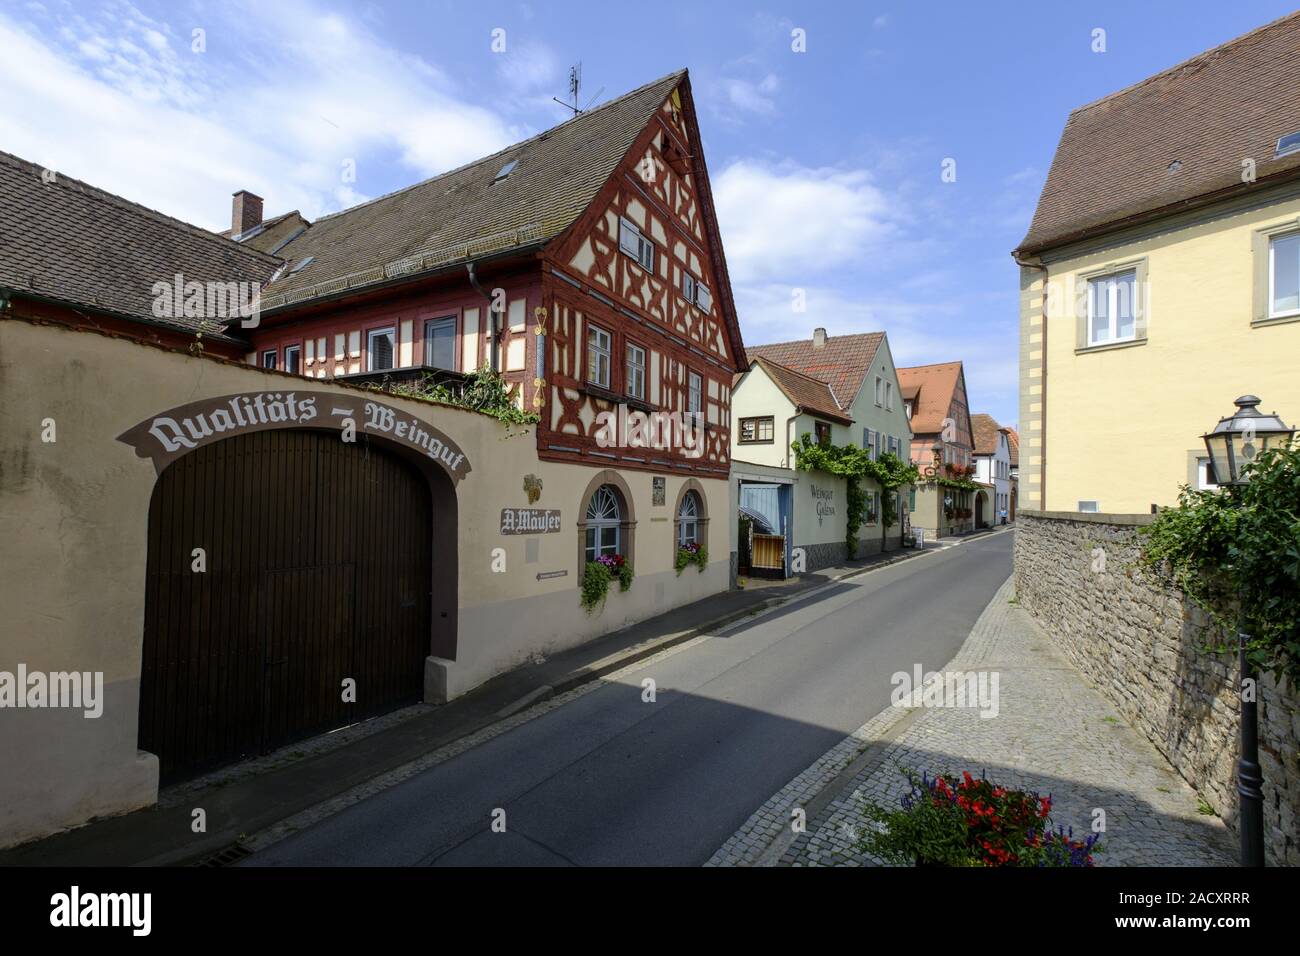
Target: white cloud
column 284, row 94
column 789, row 221
column 750, row 96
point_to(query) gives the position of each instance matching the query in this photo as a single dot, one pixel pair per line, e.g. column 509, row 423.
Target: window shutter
column 703, row 298
column 1081, row 313
column 629, row 238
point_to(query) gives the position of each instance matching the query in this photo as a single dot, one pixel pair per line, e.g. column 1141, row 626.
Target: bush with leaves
column 691, row 553
column 483, row 391
column 946, row 821
column 1235, row 552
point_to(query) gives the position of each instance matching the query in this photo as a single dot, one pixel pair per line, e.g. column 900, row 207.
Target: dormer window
column 636, row 245
column 506, row 170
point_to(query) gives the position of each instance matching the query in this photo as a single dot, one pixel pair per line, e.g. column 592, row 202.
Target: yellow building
column 1160, row 278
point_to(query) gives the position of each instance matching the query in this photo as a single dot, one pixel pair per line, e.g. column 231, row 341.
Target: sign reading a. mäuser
column 171, row 433
column 529, row 521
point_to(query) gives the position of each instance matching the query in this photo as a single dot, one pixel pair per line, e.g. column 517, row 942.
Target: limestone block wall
column 1144, row 648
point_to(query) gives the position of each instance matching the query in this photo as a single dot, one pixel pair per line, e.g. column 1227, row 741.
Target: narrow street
column 610, row 779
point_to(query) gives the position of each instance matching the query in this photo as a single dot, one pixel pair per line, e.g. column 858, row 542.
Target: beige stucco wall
column 1121, row 425
column 74, row 515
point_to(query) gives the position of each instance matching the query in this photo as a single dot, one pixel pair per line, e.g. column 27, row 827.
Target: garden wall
column 1144, row 649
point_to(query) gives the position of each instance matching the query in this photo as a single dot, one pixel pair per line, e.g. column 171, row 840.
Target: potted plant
column 949, row 821
column 597, row 576
column 691, row 553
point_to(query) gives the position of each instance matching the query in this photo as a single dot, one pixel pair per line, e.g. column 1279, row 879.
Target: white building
column 993, row 467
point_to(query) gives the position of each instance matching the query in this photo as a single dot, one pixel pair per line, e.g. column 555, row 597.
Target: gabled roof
column 67, row 241
column 1013, row 439
column 935, row 386
column 842, row 362
column 805, row 392
column 1176, row 139
column 987, row 432
column 273, row 234
column 472, row 211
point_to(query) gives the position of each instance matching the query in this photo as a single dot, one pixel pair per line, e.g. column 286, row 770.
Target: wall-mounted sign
column 824, row 498
column 170, row 434
column 544, row 575
column 529, row 521
column 532, row 488
column 657, row 488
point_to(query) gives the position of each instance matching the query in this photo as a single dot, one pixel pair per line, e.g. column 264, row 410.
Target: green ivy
column 853, row 463
column 485, row 391
column 1236, row 552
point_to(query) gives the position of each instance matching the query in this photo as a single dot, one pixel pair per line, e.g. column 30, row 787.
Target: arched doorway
column 316, row 569
column 980, row 498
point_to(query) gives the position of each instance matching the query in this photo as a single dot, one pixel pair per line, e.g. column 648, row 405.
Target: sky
column 827, row 163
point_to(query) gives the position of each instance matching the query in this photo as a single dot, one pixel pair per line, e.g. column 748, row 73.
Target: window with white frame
column 703, row 297
column 1205, row 475
column 604, row 518
column 1112, row 308
column 635, row 371
column 293, row 358
column 688, row 520
column 631, row 241
column 889, row 396
column 440, row 342
column 688, row 286
column 598, row 346
column 869, row 442
column 880, row 390
column 268, row 358
column 694, row 393
column 1284, row 275
column 380, row 348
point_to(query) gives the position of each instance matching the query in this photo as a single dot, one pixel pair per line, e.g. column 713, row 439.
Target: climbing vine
column 484, row 391
column 853, row 463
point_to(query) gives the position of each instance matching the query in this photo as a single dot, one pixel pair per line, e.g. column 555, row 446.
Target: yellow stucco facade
column 1116, row 427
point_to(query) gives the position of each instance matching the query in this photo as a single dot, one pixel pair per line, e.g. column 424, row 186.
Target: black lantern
column 1237, row 439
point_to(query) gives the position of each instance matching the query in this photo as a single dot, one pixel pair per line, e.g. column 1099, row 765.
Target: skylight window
column 303, row 264
column 1288, row 144
column 506, row 170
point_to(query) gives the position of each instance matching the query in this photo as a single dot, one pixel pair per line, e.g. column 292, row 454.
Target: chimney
column 245, row 213
column 819, row 338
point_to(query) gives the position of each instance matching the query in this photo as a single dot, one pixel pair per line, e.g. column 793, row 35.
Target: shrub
column 944, row 821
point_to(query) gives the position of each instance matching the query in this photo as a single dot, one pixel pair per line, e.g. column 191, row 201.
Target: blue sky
column 826, row 164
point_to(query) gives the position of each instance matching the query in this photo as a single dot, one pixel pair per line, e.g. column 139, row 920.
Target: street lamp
column 1233, row 444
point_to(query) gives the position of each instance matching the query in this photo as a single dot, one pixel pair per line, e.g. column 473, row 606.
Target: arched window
column 688, row 520
column 603, row 521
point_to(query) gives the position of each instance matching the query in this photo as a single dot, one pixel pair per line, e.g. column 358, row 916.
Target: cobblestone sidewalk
column 1053, row 733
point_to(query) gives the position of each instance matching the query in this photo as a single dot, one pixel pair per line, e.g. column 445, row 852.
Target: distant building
column 840, row 389
column 943, row 447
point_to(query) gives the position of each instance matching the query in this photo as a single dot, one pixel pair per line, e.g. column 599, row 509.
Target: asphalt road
column 609, row 779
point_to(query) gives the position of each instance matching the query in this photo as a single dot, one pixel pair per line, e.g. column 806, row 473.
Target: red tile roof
column 1013, row 439
column 986, row 431
column 933, row 387
column 1176, row 139
column 807, row 393
column 842, row 362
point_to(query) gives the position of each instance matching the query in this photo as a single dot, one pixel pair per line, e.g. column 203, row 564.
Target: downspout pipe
column 1042, row 431
column 492, row 317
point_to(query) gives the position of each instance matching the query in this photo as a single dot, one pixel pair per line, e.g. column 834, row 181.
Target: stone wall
column 1144, row 648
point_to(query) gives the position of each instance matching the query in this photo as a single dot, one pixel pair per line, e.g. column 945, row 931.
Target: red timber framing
column 589, row 281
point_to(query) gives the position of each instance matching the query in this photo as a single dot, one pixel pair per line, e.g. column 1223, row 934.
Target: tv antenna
column 575, row 86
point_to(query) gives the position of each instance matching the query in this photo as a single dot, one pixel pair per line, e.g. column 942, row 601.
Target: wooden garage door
column 318, row 569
